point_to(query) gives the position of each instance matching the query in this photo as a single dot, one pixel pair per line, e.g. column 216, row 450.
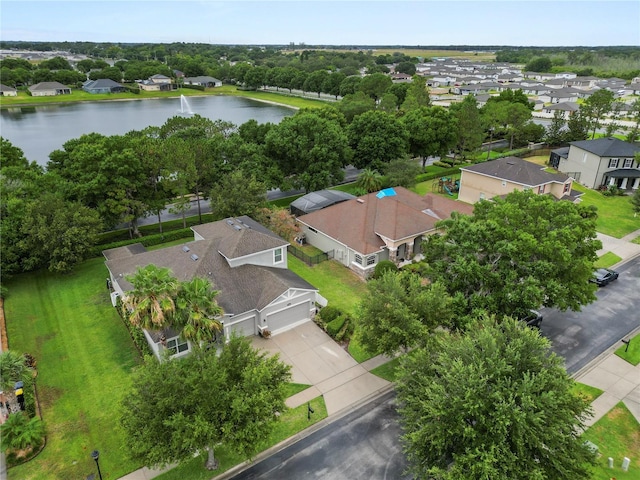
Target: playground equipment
column 446, row 185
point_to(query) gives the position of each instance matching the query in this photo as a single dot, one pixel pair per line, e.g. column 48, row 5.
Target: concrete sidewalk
column 619, row 380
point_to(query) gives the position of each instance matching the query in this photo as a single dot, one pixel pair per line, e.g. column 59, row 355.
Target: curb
column 305, row 433
column 600, row 358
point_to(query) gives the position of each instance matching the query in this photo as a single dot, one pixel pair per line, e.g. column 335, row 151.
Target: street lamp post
column 96, row 455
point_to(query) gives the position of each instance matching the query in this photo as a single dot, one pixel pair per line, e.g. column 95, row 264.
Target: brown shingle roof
column 360, row 222
column 516, row 170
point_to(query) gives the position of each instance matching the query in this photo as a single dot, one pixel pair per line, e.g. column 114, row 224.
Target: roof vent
column 359, row 200
column 510, row 162
column 185, row 249
column 194, row 257
column 237, row 227
column 230, row 222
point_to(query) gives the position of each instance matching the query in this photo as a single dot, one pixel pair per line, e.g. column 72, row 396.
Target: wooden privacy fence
column 310, row 259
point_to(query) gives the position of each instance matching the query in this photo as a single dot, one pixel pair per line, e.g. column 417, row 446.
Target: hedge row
column 193, row 87
column 147, row 241
column 423, row 177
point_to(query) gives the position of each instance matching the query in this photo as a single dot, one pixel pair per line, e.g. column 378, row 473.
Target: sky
column 360, row 22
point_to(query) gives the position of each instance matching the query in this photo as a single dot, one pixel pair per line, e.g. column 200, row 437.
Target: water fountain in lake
column 185, row 108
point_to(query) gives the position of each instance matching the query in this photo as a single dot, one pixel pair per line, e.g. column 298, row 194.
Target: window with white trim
column 177, row 345
column 628, row 163
column 371, row 260
column 541, row 189
column 613, row 163
column 358, row 259
column 567, row 188
column 277, row 255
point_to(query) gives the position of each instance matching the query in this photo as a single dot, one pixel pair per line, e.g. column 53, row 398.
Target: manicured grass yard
column 339, row 285
column 615, row 214
column 617, row 435
column 84, row 358
column 586, row 391
column 607, row 260
column 633, row 354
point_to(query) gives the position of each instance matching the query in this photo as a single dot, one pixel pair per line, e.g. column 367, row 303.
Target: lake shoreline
column 133, row 99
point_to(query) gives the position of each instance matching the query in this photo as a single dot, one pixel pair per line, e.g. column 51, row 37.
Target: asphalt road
column 363, row 445
column 579, row 337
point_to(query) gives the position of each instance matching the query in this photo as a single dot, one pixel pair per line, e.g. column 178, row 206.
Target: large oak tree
column 517, row 253
column 491, row 403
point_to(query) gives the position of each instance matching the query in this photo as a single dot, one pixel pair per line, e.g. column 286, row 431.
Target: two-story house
column 243, row 260
column 600, row 163
column 504, row 175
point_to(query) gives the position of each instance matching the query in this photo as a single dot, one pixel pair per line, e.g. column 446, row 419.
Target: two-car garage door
column 287, row 318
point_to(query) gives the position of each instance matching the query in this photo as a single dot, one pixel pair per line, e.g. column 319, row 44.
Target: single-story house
column 49, row 89
column 562, row 95
column 601, row 162
column 401, row 78
column 103, row 85
column 203, row 81
column 504, row 175
column 245, row 262
column 6, row 91
column 318, row 200
column 567, row 108
column 387, row 225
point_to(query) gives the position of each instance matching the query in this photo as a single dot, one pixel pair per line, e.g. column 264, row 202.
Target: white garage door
column 284, row 319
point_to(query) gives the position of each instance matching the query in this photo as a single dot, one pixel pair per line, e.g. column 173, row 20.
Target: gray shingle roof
column 517, row 170
column 242, row 289
column 102, row 83
column 47, row 86
column 608, row 147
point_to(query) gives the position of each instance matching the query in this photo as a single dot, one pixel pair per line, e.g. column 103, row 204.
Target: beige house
column 387, row 225
column 6, row 91
column 504, row 175
column 49, row 89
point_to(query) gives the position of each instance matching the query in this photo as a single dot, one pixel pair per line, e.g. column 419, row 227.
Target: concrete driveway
column 318, row 361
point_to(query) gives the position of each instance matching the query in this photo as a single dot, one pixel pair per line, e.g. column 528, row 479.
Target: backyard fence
column 310, row 259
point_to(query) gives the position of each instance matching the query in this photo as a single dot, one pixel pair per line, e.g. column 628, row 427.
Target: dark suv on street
column 603, row 276
column 533, row 318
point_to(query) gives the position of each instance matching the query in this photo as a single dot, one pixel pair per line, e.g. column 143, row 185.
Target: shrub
column 346, row 331
column 329, row 313
column 334, row 326
column 384, row 266
column 423, row 177
column 194, row 87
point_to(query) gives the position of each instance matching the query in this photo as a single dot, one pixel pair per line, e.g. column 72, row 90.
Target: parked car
column 603, row 276
column 533, row 318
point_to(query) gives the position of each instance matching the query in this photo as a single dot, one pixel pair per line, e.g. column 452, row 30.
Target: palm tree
column 151, row 303
column 369, row 180
column 197, row 311
column 20, row 432
column 12, row 368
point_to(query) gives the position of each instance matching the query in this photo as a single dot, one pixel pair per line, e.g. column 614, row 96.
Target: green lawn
column 632, row 355
column 339, row 285
column 607, row 260
column 79, row 95
column 586, row 391
column 617, row 435
column 84, row 358
column 636, row 240
column 292, row 421
column 615, row 214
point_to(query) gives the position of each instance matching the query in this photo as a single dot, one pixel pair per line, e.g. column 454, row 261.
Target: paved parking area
column 317, row 360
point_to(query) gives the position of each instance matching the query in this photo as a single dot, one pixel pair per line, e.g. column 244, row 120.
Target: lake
column 39, row 130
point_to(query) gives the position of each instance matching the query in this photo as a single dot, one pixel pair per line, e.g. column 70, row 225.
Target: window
column 541, row 189
column 277, row 255
column 628, row 163
column 371, row 260
column 567, row 188
column 613, row 163
column 177, row 345
column 311, row 229
column 358, row 259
